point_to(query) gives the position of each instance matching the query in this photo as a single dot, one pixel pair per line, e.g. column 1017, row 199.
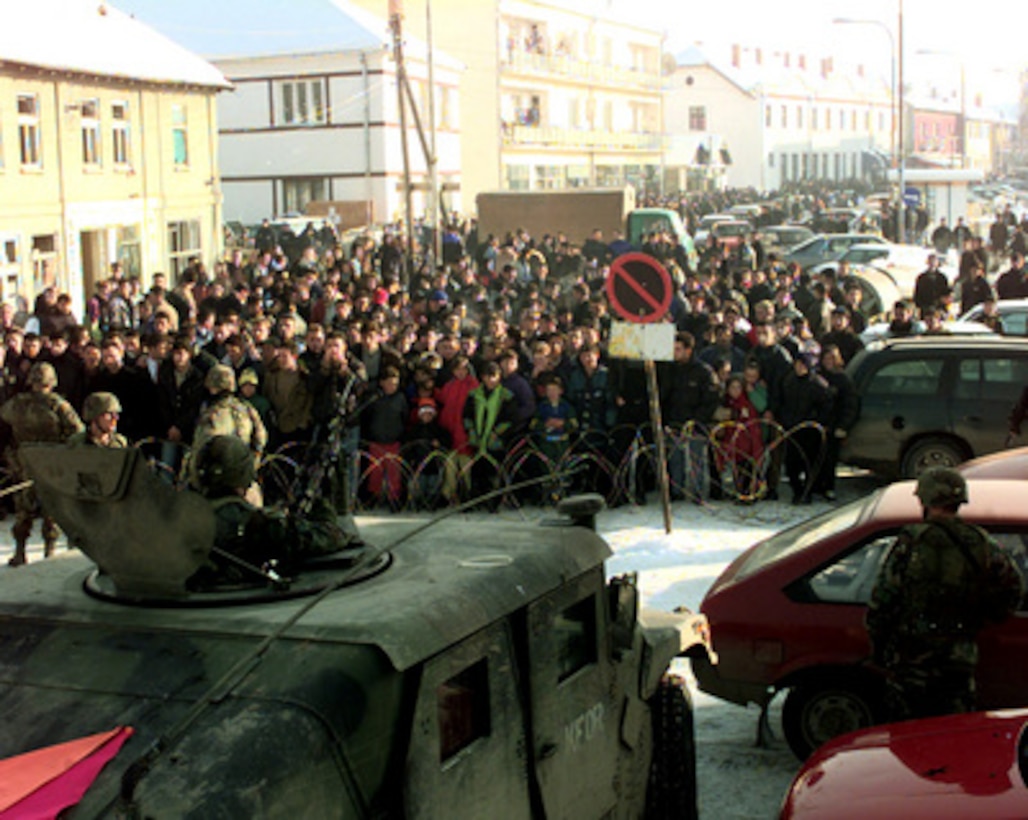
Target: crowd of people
column 450, row 376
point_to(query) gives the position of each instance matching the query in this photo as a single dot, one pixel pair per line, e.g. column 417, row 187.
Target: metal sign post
column 639, row 289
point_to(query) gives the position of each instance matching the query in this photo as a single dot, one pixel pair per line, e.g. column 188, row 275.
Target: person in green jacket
column 489, row 413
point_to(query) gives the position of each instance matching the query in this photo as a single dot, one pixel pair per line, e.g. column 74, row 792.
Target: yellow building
column 556, row 93
column 108, row 150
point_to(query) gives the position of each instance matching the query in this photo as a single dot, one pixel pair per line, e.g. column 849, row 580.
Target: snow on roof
column 93, row 37
column 776, row 79
column 264, row 28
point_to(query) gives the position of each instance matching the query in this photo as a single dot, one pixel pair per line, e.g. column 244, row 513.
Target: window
column 574, row 632
column 767, row 116
column 785, row 116
column 828, row 119
column 915, row 377
column 697, row 118
column 785, row 167
column 180, row 134
column 90, row 122
column 10, row 263
column 183, row 243
column 851, row 579
column 28, row 130
column 813, row 119
column 549, row 177
column 991, row 379
column 463, row 709
column 303, row 102
column 771, row 160
column 881, row 121
column 298, row 193
column 120, row 133
column 867, row 120
column 842, row 120
column 44, row 261
column 518, row 178
column 799, row 116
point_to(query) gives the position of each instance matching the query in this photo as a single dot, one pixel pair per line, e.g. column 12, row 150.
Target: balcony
column 569, row 68
column 532, row 136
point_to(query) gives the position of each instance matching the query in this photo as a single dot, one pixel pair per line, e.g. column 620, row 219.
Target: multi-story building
column 314, row 115
column 108, row 150
column 580, row 99
column 556, row 94
column 764, row 118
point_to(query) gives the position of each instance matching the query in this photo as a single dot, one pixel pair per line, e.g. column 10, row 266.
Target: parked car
column 1013, row 312
column 944, row 768
column 845, row 220
column 827, row 247
column 706, row 223
column 881, row 331
column 929, row 401
column 731, row 233
column 788, row 614
column 781, row 238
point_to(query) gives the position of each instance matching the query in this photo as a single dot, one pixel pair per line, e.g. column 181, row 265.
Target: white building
column 108, row 150
column 314, row 115
column 764, row 118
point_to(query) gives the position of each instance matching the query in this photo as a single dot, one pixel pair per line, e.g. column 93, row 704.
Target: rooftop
column 92, row 37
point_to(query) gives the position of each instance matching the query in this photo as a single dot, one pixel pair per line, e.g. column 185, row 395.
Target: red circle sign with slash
column 639, row 288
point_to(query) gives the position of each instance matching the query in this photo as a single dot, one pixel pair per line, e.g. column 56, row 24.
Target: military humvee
column 469, row 670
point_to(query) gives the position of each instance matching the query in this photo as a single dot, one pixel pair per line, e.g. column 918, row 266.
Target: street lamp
column 896, row 55
column 963, row 99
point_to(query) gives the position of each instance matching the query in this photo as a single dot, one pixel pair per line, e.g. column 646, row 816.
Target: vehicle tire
column 671, row 791
column 931, row 452
column 819, row 710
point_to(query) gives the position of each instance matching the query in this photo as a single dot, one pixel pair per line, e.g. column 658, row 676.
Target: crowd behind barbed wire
column 484, row 367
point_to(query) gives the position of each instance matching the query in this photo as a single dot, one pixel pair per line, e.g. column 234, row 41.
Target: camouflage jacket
column 228, row 415
column 940, row 584
column 258, row 536
column 83, row 439
column 40, row 417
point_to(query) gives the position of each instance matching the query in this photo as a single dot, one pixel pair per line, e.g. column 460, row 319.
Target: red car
column 789, row 614
column 1004, row 464
column 948, row 768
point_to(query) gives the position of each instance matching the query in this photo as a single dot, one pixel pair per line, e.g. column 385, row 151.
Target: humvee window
column 463, row 709
column 574, row 631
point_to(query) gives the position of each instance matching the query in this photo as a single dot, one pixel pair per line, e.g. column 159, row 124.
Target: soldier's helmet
column 224, row 464
column 43, row 374
column 220, row 378
column 938, row 486
column 97, row 404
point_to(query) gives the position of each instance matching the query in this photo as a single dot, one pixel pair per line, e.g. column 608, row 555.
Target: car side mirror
column 623, row 607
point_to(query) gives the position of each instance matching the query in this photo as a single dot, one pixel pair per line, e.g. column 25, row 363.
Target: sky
column 985, row 39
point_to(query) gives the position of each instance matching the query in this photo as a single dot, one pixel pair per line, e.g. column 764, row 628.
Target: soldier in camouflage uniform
column 228, row 415
column 37, row 416
column 940, row 584
column 100, row 412
column 225, row 470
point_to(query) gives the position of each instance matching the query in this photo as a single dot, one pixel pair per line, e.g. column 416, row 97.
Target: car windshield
column 861, row 255
column 815, row 243
column 732, row 228
column 793, row 540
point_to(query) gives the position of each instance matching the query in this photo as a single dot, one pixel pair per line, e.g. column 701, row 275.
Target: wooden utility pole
column 396, row 25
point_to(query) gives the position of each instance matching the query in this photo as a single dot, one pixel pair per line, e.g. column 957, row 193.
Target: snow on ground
column 737, row 780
